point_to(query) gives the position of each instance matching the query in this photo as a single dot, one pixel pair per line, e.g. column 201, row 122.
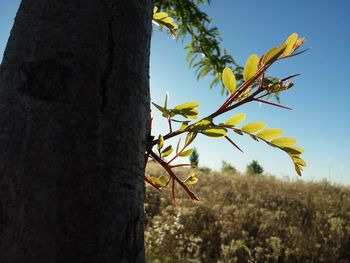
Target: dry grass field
column 246, row 218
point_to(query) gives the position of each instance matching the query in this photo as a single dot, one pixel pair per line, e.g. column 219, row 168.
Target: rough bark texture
column 74, row 102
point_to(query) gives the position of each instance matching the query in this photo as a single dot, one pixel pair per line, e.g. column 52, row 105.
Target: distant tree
column 194, row 157
column 254, row 168
column 227, row 167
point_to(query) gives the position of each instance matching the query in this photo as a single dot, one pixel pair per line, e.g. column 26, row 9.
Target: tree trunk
column 74, row 102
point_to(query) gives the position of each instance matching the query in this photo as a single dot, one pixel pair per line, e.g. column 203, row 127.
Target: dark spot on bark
column 45, row 80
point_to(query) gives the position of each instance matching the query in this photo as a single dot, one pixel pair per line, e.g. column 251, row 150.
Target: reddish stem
column 172, row 175
column 183, row 164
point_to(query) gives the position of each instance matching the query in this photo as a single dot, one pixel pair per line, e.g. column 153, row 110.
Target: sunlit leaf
column 190, row 137
column 163, row 180
column 202, row 124
column 269, row 134
column 292, row 39
column 229, row 80
column 274, row 53
column 166, row 101
column 192, row 117
column 186, row 106
column 167, row 151
column 253, row 127
column 192, row 112
column 235, row 120
column 155, row 181
column 191, row 180
column 215, row 132
column 161, row 16
column 293, row 150
column 299, row 161
column 160, row 108
column 178, row 145
column 165, row 20
column 160, row 142
column 186, row 153
column 184, row 125
column 298, row 169
column 284, row 141
column 251, row 66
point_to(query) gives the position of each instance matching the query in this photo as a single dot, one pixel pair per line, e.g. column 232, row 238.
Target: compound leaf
column 215, row 132
column 284, row 141
column 167, row 151
column 253, row 127
column 274, row 53
column 235, row 120
column 191, row 180
column 186, row 153
column 292, row 39
column 186, row 106
column 229, row 80
column 269, row 134
column 251, row 66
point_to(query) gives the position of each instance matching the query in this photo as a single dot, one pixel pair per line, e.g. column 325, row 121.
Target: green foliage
column 235, row 120
column 194, row 157
column 274, row 53
column 251, row 67
column 249, row 219
column 204, row 51
column 229, row 80
column 253, row 87
column 254, row 168
column 227, row 167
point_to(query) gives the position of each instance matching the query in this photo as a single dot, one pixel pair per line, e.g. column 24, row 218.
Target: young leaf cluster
column 253, row 88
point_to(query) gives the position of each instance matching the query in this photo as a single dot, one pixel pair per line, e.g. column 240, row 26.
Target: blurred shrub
column 254, row 168
column 227, row 167
column 249, row 219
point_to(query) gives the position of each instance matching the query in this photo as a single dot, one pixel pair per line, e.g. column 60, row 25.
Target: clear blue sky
column 320, row 99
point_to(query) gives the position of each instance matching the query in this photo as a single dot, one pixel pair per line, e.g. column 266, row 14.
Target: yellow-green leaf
column 184, row 125
column 186, row 153
column 191, row 180
column 284, row 141
column 270, row 134
column 215, row 132
column 229, row 80
column 253, row 127
column 160, row 108
column 167, row 151
column 160, row 15
column 155, row 181
column 192, row 112
column 165, row 19
column 160, row 142
column 202, row 124
column 163, row 180
column 274, row 53
column 190, row 137
column 292, row 39
column 251, row 66
column 292, row 150
column 298, row 169
column 186, row 106
column 235, row 120
column 178, row 145
column 299, row 161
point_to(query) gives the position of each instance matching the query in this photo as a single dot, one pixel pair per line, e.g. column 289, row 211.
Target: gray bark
column 74, row 102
